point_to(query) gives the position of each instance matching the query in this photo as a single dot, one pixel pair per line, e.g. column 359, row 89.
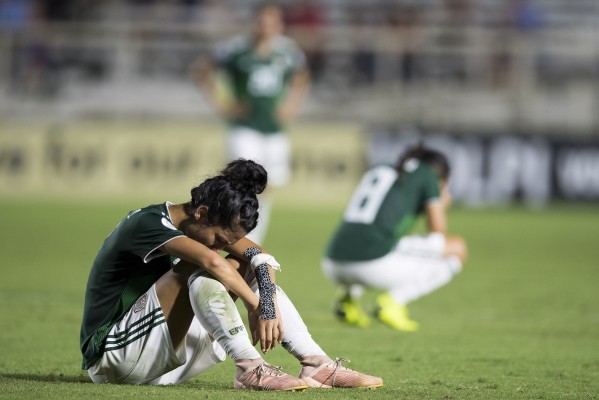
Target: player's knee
column 175, row 279
column 206, row 291
column 181, row 273
column 211, row 287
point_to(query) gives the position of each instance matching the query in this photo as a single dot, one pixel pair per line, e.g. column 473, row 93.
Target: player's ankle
column 247, row 363
column 314, row 360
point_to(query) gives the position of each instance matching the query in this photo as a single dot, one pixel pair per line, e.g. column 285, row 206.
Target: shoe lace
column 268, row 369
column 338, row 367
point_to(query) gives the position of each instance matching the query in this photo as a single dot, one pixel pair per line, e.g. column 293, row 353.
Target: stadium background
column 383, row 72
column 99, row 114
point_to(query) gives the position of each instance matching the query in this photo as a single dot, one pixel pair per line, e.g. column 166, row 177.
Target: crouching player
column 371, row 249
column 158, row 308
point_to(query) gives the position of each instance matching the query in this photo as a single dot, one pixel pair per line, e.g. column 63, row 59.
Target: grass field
column 521, row 322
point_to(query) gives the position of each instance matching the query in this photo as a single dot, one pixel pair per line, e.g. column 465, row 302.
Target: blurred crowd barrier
column 499, row 169
column 158, row 161
column 468, row 65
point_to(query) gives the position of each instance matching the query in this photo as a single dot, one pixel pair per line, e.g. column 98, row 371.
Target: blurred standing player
column 371, row 249
column 268, row 81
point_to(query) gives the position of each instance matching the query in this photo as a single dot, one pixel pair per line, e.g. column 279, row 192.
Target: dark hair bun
column 246, row 175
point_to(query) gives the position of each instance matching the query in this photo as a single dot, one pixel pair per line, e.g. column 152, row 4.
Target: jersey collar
column 168, row 212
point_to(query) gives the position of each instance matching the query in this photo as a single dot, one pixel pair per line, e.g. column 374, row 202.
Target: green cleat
column 350, row 312
column 394, row 315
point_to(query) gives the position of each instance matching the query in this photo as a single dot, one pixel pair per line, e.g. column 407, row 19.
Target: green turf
column 521, row 322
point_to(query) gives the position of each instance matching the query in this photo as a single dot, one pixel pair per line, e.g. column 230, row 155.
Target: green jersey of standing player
column 264, row 72
column 258, row 82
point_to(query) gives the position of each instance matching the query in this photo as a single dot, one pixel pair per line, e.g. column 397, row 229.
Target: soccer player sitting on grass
column 159, row 306
column 371, row 249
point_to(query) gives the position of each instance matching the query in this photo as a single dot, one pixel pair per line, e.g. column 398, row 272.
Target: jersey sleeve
column 298, row 58
column 150, row 232
column 220, row 54
column 224, row 52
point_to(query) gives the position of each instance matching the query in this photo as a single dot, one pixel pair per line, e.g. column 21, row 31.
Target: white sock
column 355, row 291
column 296, row 340
column 217, row 313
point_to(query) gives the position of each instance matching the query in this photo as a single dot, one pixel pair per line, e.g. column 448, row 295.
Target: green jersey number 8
column 369, row 195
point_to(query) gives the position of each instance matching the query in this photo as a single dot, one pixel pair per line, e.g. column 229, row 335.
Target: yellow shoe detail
column 350, row 312
column 394, row 315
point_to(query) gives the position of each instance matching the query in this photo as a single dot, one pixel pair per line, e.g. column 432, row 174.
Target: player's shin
column 216, row 311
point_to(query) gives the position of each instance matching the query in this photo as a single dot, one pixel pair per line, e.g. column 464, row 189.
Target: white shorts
column 272, row 151
column 413, row 269
column 139, row 349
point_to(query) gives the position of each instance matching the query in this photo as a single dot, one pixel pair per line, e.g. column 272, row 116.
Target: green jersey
column 383, row 208
column 259, row 82
column 126, row 266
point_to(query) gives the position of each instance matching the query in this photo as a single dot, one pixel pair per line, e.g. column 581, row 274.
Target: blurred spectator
column 521, row 19
column 457, row 18
column 214, row 16
column 405, row 21
column 525, row 15
column 458, row 12
column 71, row 10
column 306, row 22
column 14, row 14
column 364, row 39
column 32, row 65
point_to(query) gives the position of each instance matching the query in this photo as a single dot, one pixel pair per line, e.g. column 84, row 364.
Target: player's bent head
column 231, row 196
column 435, row 159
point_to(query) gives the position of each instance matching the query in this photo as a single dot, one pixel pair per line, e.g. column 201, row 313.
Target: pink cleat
column 322, row 372
column 262, row 376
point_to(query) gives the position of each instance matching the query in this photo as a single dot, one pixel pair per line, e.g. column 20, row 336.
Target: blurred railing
column 475, row 74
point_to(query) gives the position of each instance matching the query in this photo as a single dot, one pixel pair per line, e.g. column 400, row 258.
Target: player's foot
column 349, row 311
column 322, row 372
column 393, row 314
column 258, row 375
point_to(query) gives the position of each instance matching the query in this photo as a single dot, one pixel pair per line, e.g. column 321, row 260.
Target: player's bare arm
column 298, row 91
column 205, row 72
column 437, row 220
column 196, row 253
column 436, row 217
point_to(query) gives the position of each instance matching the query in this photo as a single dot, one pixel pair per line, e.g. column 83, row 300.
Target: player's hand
column 235, row 110
column 285, row 113
column 254, row 320
column 267, row 332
